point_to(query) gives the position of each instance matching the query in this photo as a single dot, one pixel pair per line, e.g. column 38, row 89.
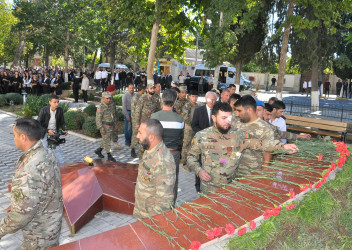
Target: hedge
column 90, row 110
column 15, row 97
column 74, row 120
column 118, row 99
column 3, row 100
column 90, row 127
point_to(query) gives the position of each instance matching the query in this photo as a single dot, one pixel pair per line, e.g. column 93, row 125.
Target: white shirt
column 305, row 84
column 104, row 74
column 309, row 84
column 181, row 79
column 209, row 114
column 98, row 75
column 116, row 76
column 280, row 123
column 52, row 121
column 85, row 83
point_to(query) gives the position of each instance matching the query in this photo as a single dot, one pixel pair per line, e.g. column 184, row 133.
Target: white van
column 227, row 75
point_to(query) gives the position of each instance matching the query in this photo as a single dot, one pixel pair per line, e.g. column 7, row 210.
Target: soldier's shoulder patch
column 185, row 110
column 98, row 110
column 192, row 142
column 17, row 194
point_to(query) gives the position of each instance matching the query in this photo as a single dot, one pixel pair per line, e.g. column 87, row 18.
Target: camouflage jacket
column 146, row 106
column 155, row 182
column 221, row 153
column 179, row 106
column 36, row 199
column 134, row 101
column 253, row 159
column 282, row 134
column 106, row 117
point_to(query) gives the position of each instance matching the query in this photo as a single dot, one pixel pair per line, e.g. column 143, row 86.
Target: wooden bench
column 317, row 126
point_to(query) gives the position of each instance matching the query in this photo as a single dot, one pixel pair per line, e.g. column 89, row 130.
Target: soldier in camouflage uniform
column 106, row 121
column 36, row 197
column 221, row 148
column 181, row 100
column 135, row 98
column 146, row 106
column 156, row 173
column 115, row 134
column 187, row 114
column 256, row 128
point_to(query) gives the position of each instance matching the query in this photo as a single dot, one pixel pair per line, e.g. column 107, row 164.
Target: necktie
column 210, row 120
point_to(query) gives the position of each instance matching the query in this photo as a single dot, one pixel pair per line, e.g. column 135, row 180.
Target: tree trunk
column 94, row 58
column 217, row 68
column 238, row 76
column 19, row 50
column 282, row 65
column 315, row 92
column 152, row 48
column 66, row 55
column 112, row 58
column 46, row 56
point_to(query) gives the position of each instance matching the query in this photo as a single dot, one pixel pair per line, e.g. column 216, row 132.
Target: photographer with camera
column 51, row 118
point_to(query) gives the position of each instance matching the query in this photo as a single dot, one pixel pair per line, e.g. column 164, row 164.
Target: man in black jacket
column 51, row 118
column 76, row 80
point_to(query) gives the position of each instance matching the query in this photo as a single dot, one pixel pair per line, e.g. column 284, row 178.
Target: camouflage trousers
column 115, row 136
column 35, row 244
column 176, row 155
column 186, row 146
column 106, row 142
column 134, row 139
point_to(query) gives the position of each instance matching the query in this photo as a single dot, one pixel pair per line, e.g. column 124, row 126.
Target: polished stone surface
column 87, row 190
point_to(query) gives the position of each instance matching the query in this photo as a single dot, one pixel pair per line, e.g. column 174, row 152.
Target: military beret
column 111, row 88
column 106, row 94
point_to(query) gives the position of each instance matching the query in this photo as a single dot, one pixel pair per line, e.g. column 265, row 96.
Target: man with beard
column 221, row 148
column 156, row 173
column 146, row 106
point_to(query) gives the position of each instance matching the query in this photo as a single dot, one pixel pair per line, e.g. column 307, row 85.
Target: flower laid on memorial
column 195, row 245
column 229, row 229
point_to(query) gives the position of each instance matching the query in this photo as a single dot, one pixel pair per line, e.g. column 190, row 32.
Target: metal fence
column 326, row 110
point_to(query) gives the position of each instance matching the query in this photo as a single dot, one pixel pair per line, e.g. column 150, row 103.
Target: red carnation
column 333, row 166
column 217, row 231
column 318, row 185
column 276, row 210
column 267, row 214
column 320, row 157
column 210, row 235
column 310, row 185
column 230, row 229
column 195, row 245
column 304, row 187
column 289, row 207
column 242, row 231
column 252, row 224
column 292, row 194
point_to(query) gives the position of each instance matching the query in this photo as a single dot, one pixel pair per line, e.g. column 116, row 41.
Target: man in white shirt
column 276, row 116
column 97, row 78
column 117, row 80
column 309, row 89
column 104, row 79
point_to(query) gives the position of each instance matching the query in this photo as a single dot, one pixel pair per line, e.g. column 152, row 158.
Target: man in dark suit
column 202, row 120
column 46, row 84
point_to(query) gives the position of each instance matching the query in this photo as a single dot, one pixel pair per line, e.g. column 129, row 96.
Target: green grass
column 322, row 220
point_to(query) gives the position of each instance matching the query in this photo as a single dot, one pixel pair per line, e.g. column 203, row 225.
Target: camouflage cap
column 150, row 85
column 183, row 88
column 106, row 94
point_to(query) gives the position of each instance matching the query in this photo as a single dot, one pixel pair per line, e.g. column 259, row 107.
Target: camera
column 55, row 140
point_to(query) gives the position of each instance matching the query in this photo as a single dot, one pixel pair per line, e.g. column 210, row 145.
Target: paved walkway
column 74, row 150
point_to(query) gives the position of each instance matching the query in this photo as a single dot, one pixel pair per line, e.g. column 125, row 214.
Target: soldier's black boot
column 133, row 153
column 110, row 158
column 98, row 152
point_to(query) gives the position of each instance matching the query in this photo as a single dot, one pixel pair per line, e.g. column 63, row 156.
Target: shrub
column 74, row 120
column 90, row 127
column 118, row 99
column 91, row 97
column 64, row 106
column 66, row 85
column 2, row 100
column 44, row 99
column 90, row 110
column 15, row 97
column 119, row 114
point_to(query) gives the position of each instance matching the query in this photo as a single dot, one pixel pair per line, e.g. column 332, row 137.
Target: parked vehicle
column 227, row 76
